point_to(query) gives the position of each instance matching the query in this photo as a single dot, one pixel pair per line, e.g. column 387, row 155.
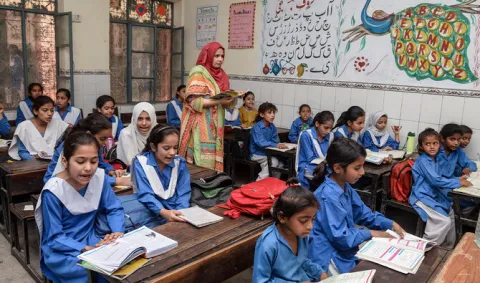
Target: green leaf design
column 353, row 20
column 341, row 22
column 347, row 47
column 472, row 17
column 364, row 41
column 343, row 2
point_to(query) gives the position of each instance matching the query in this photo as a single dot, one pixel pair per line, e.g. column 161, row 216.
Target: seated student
column 106, row 106
column 281, row 251
column 38, row 135
column 335, row 239
column 313, row 143
column 376, row 136
column 64, row 111
column 97, row 125
column 301, row 123
column 248, row 112
column 350, row 123
column 24, row 109
column 232, row 118
column 4, row 125
column 262, row 135
column 161, row 178
column 464, row 142
column 68, row 207
column 429, row 191
column 133, row 138
column 175, row 107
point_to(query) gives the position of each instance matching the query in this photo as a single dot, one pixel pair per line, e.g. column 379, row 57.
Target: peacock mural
column 428, row 40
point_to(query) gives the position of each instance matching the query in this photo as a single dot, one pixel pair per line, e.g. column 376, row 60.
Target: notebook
column 378, row 157
column 199, row 217
column 474, row 190
column 290, row 146
column 354, row 277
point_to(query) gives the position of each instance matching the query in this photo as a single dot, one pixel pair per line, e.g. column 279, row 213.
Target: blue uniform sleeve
column 260, row 140
column 262, row 264
column 306, row 153
column 20, row 117
column 23, row 151
column 294, row 132
column 113, row 209
column 391, row 142
column 53, row 233
column 172, row 118
column 183, row 189
column 312, row 269
column 4, row 126
column 428, row 171
column 144, row 191
column 363, row 215
column 120, row 128
column 52, row 164
column 463, row 161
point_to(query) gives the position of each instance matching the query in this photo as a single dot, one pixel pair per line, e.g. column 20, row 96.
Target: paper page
column 199, row 217
column 374, row 159
column 409, row 241
column 474, row 190
column 154, row 242
column 354, row 277
column 317, row 161
column 109, row 257
column 28, row 207
column 289, row 147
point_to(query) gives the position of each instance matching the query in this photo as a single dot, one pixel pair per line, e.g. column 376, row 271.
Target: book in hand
column 228, row 94
column 290, row 146
column 199, row 217
column 354, row 277
column 140, row 242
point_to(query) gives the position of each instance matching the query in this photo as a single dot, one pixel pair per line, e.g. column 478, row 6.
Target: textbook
column 228, row 94
column 474, row 190
column 121, row 273
column 199, row 217
column 378, row 157
column 140, row 242
column 354, row 277
column 290, row 146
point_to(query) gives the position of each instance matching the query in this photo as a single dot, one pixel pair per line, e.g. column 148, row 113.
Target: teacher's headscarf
column 206, row 60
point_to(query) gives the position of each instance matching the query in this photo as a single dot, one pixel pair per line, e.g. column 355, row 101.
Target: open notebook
column 354, row 277
column 289, row 147
column 474, row 190
column 199, row 217
column 378, row 157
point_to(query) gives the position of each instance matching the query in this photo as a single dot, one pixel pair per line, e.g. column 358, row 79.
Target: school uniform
column 232, row 118
column 28, row 141
column 334, row 239
column 174, row 112
column 465, row 161
column 342, row 131
column 262, row 137
column 297, row 127
column 310, row 148
column 55, row 166
column 429, row 198
column 275, row 261
column 71, row 116
column 156, row 189
column 247, row 117
column 117, row 126
column 4, row 126
column 66, row 218
column 448, row 164
column 374, row 139
column 24, row 110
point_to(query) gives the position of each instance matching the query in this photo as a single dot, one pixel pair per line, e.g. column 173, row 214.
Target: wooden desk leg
column 373, row 198
column 291, row 166
column 92, row 276
column 269, row 162
column 4, row 227
column 457, row 211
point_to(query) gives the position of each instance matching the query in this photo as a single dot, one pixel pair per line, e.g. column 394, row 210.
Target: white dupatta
column 374, row 132
column 177, row 108
column 315, row 143
column 154, row 180
column 27, row 113
column 354, row 137
column 114, row 126
column 71, row 117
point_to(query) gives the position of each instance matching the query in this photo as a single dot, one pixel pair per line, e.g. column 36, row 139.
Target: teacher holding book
column 203, row 116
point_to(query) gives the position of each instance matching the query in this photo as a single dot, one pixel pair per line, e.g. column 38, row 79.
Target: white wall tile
column 359, row 97
column 88, row 103
column 257, row 104
column 470, row 113
column 235, row 84
column 342, row 99
column 407, row 126
column 314, row 96
column 315, row 111
column 102, row 83
column 392, row 122
column 411, row 105
column 289, row 94
column 422, row 126
column 431, row 108
column 278, row 116
column 452, row 109
column 89, row 85
column 301, row 95
column 288, row 115
column 392, row 104
column 243, row 85
column 328, row 99
column 277, row 93
column 336, row 114
column 374, row 101
column 266, row 94
column 256, row 88
column 78, row 82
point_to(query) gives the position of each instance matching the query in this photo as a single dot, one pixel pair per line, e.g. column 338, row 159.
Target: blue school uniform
column 275, row 261
column 69, row 109
column 20, row 116
column 369, row 144
column 334, row 235
column 262, row 137
column 146, row 195
column 297, row 127
column 65, row 234
column 353, row 135
column 172, row 117
column 114, row 119
column 470, row 164
column 448, row 164
column 4, row 126
column 233, row 122
column 430, row 186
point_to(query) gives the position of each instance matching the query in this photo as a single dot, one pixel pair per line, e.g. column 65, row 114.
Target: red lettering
column 445, row 46
column 399, row 48
column 432, row 40
column 444, row 28
column 407, row 35
column 423, row 10
column 412, row 63
column 436, row 70
column 458, row 59
column 460, row 43
column 423, row 64
column 401, row 60
column 450, row 16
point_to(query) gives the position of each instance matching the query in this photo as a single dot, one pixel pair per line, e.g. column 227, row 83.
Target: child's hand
column 396, row 129
column 398, row 229
column 466, row 171
column 380, row 234
column 323, row 276
column 119, row 173
column 244, row 126
column 123, row 181
column 282, row 146
column 387, row 160
column 387, row 148
column 465, row 183
column 172, row 215
column 109, row 238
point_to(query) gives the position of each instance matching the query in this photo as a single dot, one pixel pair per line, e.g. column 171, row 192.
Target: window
column 141, row 44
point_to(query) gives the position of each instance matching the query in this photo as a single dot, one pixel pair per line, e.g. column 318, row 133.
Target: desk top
column 432, row 260
column 197, row 172
column 282, row 153
column 23, row 166
column 4, row 150
column 381, row 169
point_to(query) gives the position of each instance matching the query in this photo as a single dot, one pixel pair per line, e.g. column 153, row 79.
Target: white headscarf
column 374, row 132
column 131, row 140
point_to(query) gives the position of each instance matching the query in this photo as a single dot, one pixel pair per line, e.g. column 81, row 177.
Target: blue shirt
column 464, row 158
column 336, row 133
column 233, row 123
column 262, row 137
column 101, row 164
column 430, row 186
column 369, row 144
column 119, row 127
column 20, row 116
column 172, row 117
column 146, row 195
column 308, row 153
column 447, row 164
column 275, row 261
column 4, row 126
column 334, row 235
column 297, row 127
column 69, row 109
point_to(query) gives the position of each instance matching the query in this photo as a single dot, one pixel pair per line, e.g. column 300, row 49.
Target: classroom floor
column 10, row 269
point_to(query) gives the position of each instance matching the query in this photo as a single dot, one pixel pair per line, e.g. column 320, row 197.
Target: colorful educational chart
column 206, row 25
column 424, row 43
column 241, row 25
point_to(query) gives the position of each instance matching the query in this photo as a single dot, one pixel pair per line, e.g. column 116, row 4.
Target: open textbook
column 378, row 157
column 403, row 255
column 474, row 190
column 290, row 146
column 353, row 277
column 199, row 217
column 229, row 93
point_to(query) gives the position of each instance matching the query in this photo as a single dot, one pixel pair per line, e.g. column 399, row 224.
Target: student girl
column 175, row 107
column 301, row 123
column 376, row 136
column 133, row 138
column 68, row 207
column 429, row 192
column 161, row 178
column 106, row 106
column 4, row 125
column 464, row 142
column 64, row 111
column 39, row 135
column 262, row 135
column 281, row 251
column 97, row 125
column 350, row 123
column 232, row 118
column 334, row 239
column 24, row 109
column 248, row 112
column 313, row 144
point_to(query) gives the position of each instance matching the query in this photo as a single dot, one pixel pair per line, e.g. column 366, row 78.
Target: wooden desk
column 460, row 219
column 210, row 254
column 4, row 150
column 374, row 172
column 432, row 261
column 289, row 156
column 463, row 264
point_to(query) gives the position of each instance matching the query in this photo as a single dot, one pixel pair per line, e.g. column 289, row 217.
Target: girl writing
column 301, row 123
column 64, row 111
column 24, row 109
column 350, row 123
column 376, row 136
column 248, row 112
column 106, row 106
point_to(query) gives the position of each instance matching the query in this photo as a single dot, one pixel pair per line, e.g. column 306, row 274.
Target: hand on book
column 380, row 234
column 112, row 237
column 387, row 148
column 119, row 173
column 398, row 229
column 323, row 276
column 466, row 171
column 172, row 215
column 282, row 146
column 464, row 182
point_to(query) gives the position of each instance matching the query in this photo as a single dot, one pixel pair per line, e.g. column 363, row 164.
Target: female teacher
column 201, row 130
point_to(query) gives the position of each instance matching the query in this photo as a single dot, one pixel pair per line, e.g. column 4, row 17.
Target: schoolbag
column 255, row 198
column 401, row 180
column 211, row 191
